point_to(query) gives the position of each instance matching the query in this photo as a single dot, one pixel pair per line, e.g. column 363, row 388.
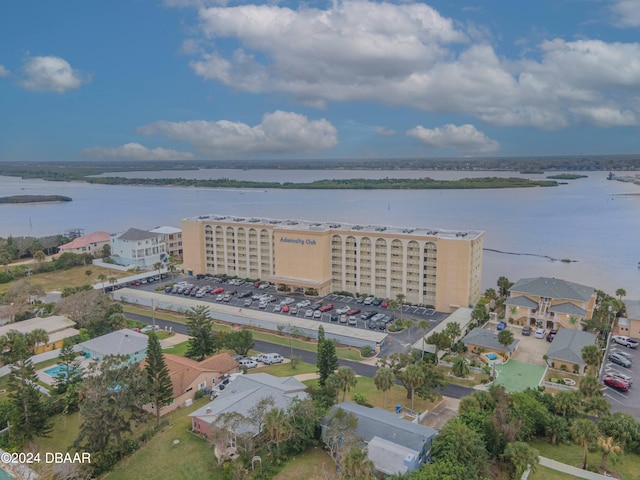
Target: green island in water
column 34, row 199
column 340, row 184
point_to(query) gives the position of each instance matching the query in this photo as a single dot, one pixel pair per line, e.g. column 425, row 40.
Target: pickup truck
column 625, row 341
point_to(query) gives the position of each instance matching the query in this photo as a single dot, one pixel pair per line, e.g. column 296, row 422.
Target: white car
column 247, row 362
column 342, row 310
column 625, row 341
column 317, row 314
column 369, row 300
column 287, row 301
column 308, row 313
column 304, row 304
column 539, row 333
column 277, row 308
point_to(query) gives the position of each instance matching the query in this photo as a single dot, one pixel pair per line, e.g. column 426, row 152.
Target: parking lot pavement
column 530, row 349
column 417, row 314
column 627, row 402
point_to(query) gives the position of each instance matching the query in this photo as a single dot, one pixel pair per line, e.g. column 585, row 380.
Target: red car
column 326, row 308
column 285, row 309
column 217, row 290
column 353, row 311
column 384, row 304
column 616, row 383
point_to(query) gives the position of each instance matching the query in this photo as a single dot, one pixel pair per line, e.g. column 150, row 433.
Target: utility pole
column 290, row 343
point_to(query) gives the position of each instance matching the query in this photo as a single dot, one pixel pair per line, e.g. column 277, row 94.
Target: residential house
column 481, row 340
column 565, row 352
column 138, row 248
column 394, row 445
column 240, row 396
column 462, row 316
column 554, row 302
column 189, row 376
column 129, row 343
column 92, row 243
column 172, row 240
column 630, row 325
column 58, row 327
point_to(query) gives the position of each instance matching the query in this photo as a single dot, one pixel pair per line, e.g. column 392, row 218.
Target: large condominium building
column 430, row 267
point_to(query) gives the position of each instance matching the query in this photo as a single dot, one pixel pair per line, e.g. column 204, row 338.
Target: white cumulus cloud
column 51, row 74
column 626, row 13
column 3, row 71
column 409, row 55
column 463, row 139
column 278, row 133
column 135, row 151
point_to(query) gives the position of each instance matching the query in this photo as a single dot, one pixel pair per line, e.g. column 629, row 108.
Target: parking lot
column 353, row 311
column 628, row 402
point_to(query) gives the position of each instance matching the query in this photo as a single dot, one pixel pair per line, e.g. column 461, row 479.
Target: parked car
column 625, row 341
column 342, row 310
column 334, row 317
column 262, row 305
column 616, row 383
column 308, row 313
column 247, row 362
column 353, row 320
column 288, row 301
column 285, row 309
column 539, row 333
column 277, row 308
column 293, row 310
column 217, row 290
column 619, row 360
column 527, row 331
column 626, row 355
column 366, row 315
column 359, row 299
column 368, row 300
column 377, row 302
column 168, row 289
column 269, row 358
column 244, row 294
column 384, row 304
column 326, row 308
column 353, row 311
column 248, row 302
column 317, row 313
column 343, row 318
column 304, row 304
column 622, row 376
column 551, row 335
column 219, row 298
column 502, row 325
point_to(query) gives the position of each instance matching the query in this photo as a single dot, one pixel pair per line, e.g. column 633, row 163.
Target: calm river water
column 591, row 220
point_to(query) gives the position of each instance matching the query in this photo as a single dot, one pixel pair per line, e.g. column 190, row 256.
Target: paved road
column 454, row 391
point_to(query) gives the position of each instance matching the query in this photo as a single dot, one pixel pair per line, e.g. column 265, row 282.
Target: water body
column 593, row 221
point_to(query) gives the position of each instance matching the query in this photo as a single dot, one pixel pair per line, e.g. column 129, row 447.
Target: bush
column 361, row 399
column 200, row 393
column 366, row 351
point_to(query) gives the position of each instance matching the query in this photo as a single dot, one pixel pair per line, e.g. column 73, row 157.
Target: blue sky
column 203, row 79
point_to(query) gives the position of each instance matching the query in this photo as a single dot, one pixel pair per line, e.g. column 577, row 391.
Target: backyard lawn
column 314, row 464
column 544, row 473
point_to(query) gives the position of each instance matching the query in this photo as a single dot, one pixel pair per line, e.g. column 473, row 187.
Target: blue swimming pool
column 491, row 356
column 55, row 372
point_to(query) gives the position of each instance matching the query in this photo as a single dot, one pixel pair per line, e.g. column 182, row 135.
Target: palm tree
column 505, row 338
column 400, row 299
column 172, row 269
column 503, row 286
column 112, row 282
column 521, row 456
column 621, row 292
column 591, row 357
column 37, row 337
column 413, row 377
column 424, row 326
column 158, row 267
column 88, row 272
column 566, row 402
column 584, row 432
column 460, row 367
column 609, row 448
column 39, row 257
column 453, row 331
column 102, row 277
column 384, row 380
column 347, row 379
column 277, row 427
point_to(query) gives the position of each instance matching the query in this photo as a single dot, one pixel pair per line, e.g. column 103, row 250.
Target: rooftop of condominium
column 311, row 226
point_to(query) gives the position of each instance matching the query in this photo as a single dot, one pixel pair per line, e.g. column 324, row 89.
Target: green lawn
column 544, row 473
column 179, row 349
column 314, row 464
column 517, row 376
column 164, row 459
column 64, row 432
column 285, row 370
column 627, row 466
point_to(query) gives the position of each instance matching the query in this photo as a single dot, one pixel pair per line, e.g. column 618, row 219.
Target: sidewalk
column 173, row 340
column 568, row 469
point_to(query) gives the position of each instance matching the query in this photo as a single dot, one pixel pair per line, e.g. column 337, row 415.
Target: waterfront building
column 92, row 243
column 138, row 248
column 172, row 240
column 554, row 302
column 440, row 268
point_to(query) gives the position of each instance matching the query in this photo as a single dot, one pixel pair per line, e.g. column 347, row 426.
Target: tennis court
column 516, row 376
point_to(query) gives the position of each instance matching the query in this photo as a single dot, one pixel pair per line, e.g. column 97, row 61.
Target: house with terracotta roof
column 554, row 302
column 91, row 243
column 189, row 377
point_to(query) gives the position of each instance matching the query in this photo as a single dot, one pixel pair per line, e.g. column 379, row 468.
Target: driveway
column 627, row 402
column 530, row 350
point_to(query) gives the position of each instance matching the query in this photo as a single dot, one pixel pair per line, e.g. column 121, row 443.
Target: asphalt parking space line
column 609, row 391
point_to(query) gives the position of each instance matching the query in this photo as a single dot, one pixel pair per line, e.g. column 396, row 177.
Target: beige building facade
column 433, row 267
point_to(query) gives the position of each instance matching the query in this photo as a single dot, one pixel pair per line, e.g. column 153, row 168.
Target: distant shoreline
column 34, row 199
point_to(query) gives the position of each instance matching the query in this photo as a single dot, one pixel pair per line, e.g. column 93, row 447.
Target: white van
column 269, row 358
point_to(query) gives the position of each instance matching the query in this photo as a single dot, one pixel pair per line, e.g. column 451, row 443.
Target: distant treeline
column 79, row 171
column 567, row 176
column 34, row 199
column 341, row 184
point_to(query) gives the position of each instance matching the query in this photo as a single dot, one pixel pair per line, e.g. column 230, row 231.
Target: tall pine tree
column 31, row 417
column 327, row 359
column 157, row 376
column 202, row 342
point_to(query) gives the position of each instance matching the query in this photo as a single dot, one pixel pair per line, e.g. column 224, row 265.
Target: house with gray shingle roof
column 394, row 445
column 630, row 325
column 480, row 339
column 138, row 248
column 240, row 396
column 129, row 343
column 566, row 349
column 554, row 302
